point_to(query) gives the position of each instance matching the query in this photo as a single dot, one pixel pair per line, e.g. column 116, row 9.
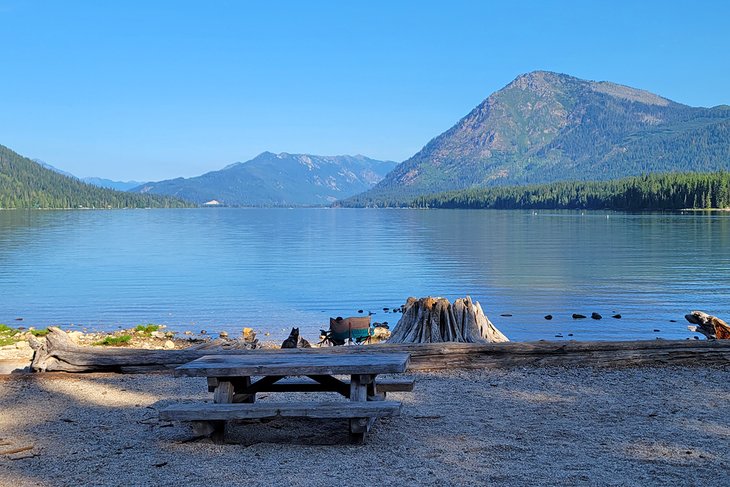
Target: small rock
column 22, row 345
column 223, row 334
column 18, row 319
column 157, row 334
column 596, row 316
column 386, row 309
column 169, row 345
column 617, row 316
column 558, row 336
column 672, row 321
column 506, row 315
column 548, row 317
column 577, row 316
column 360, row 311
column 249, row 335
column 570, row 334
column 656, row 330
column 381, row 333
column 187, row 332
column 203, row 332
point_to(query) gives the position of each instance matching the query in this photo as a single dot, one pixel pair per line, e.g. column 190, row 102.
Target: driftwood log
column 60, row 353
column 710, row 326
column 436, row 320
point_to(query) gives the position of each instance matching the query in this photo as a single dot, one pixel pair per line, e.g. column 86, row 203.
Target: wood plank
column 226, row 412
column 223, row 395
column 223, row 392
column 294, row 363
column 395, row 385
column 359, row 387
column 305, row 385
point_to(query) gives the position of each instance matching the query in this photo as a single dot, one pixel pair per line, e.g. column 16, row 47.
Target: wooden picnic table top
column 294, row 363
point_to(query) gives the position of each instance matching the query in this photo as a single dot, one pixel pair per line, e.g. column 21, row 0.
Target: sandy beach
column 519, row 426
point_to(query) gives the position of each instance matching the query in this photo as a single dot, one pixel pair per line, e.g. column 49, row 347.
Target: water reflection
column 273, row 268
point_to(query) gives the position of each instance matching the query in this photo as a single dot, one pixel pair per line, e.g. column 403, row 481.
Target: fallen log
column 436, row 320
column 710, row 326
column 61, row 354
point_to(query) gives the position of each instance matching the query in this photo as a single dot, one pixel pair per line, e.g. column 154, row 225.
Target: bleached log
column 710, row 326
column 58, row 352
column 426, row 356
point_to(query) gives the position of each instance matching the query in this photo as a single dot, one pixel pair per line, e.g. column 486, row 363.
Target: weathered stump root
column 710, row 326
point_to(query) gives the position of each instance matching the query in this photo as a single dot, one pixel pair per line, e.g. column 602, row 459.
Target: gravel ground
column 523, row 426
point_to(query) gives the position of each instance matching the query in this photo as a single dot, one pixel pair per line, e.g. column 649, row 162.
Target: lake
column 271, row 269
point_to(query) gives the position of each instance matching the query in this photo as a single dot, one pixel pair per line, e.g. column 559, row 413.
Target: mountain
column 53, row 168
column 108, row 183
column 100, row 182
column 27, row 184
column 545, row 127
column 278, row 180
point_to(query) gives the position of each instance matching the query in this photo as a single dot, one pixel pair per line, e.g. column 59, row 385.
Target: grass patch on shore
column 114, row 341
column 7, row 335
column 39, row 333
column 146, row 329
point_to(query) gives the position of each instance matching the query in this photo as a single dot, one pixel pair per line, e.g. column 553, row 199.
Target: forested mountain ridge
column 545, row 127
column 656, row 192
column 27, row 184
column 278, row 180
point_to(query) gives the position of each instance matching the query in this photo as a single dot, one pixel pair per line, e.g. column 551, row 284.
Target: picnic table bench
column 236, row 379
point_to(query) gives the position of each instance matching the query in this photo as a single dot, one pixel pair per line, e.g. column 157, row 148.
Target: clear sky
column 152, row 90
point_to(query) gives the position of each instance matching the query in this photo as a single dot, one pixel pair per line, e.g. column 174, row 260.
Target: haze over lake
column 223, row 269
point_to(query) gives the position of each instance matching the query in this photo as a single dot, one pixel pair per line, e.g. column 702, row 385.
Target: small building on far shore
column 212, row 203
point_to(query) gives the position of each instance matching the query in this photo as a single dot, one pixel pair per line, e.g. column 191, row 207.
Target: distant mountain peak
column 545, row 126
column 540, row 81
column 630, row 94
column 281, row 179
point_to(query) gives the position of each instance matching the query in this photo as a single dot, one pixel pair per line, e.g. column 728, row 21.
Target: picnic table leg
column 359, row 385
column 223, row 394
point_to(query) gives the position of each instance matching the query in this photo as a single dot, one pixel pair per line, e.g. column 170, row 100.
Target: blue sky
column 153, row 90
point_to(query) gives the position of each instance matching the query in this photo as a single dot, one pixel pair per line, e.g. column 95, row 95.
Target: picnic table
column 235, row 380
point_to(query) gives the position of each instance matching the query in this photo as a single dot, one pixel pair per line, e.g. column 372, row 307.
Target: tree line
column 27, row 184
column 667, row 191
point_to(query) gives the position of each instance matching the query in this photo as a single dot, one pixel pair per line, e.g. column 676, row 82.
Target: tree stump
column 436, row 320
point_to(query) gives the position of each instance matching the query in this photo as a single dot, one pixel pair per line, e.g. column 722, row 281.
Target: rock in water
column 596, row 316
column 577, row 316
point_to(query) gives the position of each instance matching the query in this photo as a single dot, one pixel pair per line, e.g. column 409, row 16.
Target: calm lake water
column 223, row 269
